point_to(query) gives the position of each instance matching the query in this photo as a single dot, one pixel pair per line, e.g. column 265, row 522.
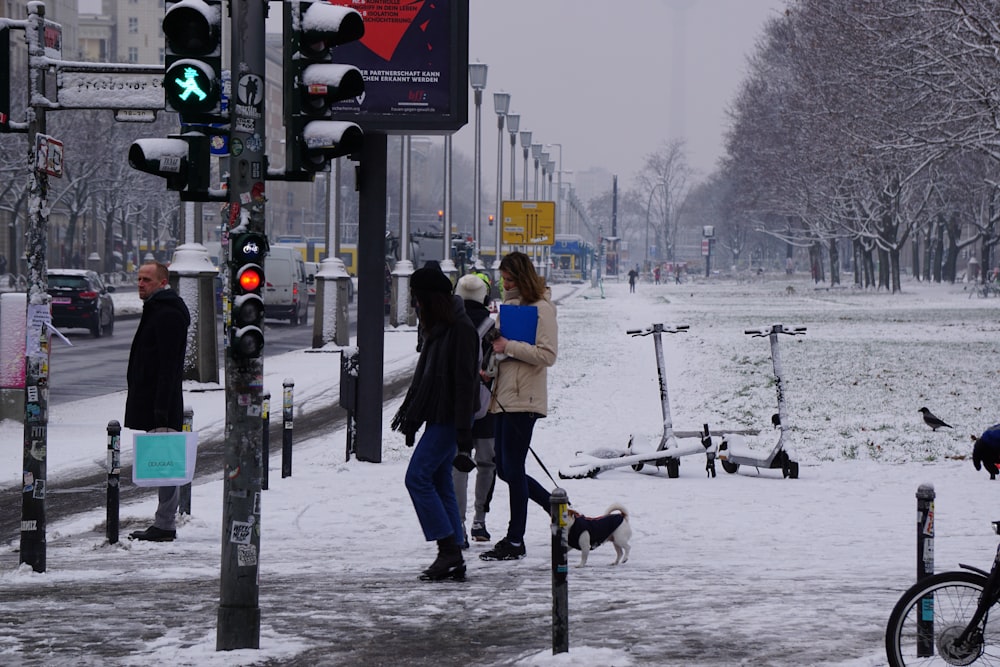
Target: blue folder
column 519, row 322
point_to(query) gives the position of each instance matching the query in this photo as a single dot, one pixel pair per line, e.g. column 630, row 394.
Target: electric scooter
column 734, row 451
column 670, row 448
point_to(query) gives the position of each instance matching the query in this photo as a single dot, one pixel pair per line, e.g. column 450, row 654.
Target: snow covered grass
column 746, row 569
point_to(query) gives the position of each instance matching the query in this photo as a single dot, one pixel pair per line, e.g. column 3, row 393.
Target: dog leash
column 530, row 448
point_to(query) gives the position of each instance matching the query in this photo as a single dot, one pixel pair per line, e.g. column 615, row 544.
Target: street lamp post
column 552, row 170
column 525, row 146
column 513, row 121
column 536, row 152
column 477, row 78
column 559, row 211
column 649, row 205
column 544, row 159
column 501, row 103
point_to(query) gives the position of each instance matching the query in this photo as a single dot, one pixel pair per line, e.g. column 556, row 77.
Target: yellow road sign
column 529, row 222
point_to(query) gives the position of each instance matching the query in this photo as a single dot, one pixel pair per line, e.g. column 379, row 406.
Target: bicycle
column 944, row 619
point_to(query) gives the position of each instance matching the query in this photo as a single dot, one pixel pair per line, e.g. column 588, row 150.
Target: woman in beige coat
column 521, row 396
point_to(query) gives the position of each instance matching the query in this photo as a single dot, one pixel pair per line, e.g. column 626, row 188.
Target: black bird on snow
column 932, row 421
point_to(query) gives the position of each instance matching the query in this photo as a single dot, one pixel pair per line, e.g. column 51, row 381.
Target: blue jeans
column 428, row 479
column 513, row 437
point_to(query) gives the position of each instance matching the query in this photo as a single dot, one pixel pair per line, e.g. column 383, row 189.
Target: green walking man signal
column 190, row 85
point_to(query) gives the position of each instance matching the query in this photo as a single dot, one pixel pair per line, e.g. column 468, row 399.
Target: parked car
column 285, row 294
column 81, row 300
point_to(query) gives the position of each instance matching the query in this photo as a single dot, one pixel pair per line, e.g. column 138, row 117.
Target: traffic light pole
column 239, row 609
column 36, row 382
column 371, row 278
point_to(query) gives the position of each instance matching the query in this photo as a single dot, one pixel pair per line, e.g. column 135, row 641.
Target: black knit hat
column 430, row 279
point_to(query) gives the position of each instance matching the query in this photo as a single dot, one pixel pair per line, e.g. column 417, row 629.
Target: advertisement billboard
column 414, row 58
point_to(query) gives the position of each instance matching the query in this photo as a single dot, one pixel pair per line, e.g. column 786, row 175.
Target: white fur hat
column 472, row 288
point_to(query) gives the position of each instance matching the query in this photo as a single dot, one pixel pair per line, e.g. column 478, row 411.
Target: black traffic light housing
column 192, row 81
column 313, row 83
column 182, row 159
column 246, row 331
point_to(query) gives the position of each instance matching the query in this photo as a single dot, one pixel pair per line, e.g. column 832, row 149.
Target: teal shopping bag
column 164, row 459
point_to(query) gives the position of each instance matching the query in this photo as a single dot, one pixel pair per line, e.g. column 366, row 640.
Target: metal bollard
column 925, row 566
column 265, row 440
column 558, row 509
column 286, row 431
column 349, row 394
column 184, row 504
column 706, row 442
column 114, row 475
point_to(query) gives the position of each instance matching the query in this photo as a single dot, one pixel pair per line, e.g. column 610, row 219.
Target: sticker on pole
column 164, row 459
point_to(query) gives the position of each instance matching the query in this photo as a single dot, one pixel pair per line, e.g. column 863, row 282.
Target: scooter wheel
column 673, row 468
column 637, row 466
column 791, row 469
column 731, row 468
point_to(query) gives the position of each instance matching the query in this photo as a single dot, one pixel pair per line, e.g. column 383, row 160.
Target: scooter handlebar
column 796, row 331
column 661, row 327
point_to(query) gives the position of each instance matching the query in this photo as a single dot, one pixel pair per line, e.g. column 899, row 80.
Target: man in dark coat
column 155, row 374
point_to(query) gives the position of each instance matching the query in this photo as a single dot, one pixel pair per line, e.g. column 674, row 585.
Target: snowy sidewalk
column 742, row 569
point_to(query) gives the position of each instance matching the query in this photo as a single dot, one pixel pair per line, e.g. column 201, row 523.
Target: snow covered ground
column 744, row 569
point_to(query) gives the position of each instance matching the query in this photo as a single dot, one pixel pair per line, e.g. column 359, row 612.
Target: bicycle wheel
column 929, row 617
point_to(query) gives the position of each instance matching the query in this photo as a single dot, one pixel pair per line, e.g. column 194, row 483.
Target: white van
column 286, row 296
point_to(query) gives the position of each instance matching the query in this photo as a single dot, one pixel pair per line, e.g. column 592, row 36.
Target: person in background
column 632, row 276
column 441, row 398
column 474, row 289
column 520, row 397
column 155, row 400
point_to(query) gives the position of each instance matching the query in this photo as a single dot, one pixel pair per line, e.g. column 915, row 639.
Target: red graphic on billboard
column 392, row 21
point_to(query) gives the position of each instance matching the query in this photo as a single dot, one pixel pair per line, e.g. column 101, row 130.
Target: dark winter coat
column 599, row 528
column 477, row 312
column 446, row 381
column 986, row 451
column 156, row 364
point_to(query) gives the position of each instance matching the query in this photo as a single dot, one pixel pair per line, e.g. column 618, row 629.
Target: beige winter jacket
column 522, row 378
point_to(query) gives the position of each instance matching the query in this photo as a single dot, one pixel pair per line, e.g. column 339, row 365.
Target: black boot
column 448, row 564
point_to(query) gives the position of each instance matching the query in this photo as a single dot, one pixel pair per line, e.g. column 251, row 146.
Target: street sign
column 135, row 115
column 529, row 222
column 49, row 155
column 110, row 90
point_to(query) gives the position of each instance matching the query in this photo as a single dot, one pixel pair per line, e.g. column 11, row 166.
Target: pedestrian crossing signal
column 192, row 31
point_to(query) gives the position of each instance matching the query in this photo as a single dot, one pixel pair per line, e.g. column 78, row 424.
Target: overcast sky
column 598, row 77
column 611, row 81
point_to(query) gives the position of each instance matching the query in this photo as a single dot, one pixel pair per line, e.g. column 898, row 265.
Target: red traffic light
column 250, row 278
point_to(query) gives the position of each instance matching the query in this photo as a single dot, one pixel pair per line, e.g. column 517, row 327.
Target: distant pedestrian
column 155, row 375
column 520, row 397
column 656, row 275
column 3, row 264
column 632, row 275
column 441, row 398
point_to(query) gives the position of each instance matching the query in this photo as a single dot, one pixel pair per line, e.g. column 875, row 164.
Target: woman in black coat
column 441, row 397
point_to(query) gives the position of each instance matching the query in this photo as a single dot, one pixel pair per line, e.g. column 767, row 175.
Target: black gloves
column 407, row 427
column 463, row 462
